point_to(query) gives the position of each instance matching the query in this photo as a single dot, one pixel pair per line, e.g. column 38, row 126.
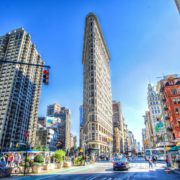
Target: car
column 120, row 164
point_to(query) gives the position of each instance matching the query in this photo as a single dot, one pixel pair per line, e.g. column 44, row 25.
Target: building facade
column 150, row 142
column 118, row 133
column 97, row 98
column 47, row 138
column 154, row 106
column 126, row 148
column 144, row 139
column 42, row 121
column 53, row 109
column 72, row 141
column 20, row 87
column 59, row 120
column 65, row 127
column 178, row 4
column 169, row 88
column 81, row 139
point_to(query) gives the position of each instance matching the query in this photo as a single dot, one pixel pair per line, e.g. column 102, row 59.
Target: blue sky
column 143, row 38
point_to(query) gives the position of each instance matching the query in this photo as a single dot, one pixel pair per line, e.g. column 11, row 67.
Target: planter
column 49, row 166
column 67, row 164
column 59, row 165
column 92, row 162
column 37, row 169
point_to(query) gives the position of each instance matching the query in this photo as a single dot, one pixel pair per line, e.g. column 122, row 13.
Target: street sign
column 159, row 126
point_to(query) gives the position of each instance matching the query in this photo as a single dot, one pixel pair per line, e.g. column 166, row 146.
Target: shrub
column 39, row 158
column 59, row 155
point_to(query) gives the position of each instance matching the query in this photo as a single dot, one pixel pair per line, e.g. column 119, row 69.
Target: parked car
column 120, row 164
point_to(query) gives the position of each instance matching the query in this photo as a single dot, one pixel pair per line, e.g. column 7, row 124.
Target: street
column 103, row 171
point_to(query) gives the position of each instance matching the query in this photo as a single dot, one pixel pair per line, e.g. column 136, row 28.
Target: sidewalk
column 49, row 173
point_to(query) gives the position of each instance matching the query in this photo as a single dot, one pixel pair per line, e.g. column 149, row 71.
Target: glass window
column 173, row 91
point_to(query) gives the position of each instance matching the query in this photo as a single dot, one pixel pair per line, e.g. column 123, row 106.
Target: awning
column 175, row 148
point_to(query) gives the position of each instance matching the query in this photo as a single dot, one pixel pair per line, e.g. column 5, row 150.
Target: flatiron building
column 97, row 98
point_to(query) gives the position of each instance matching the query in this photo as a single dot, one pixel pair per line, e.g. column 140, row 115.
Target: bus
column 160, row 153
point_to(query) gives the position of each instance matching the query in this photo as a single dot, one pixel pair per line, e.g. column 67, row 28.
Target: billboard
column 159, row 127
column 52, row 121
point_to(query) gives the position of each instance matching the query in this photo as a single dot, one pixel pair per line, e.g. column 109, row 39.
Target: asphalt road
column 103, row 171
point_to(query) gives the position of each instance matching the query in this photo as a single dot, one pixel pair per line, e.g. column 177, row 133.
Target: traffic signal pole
column 45, row 72
column 23, row 63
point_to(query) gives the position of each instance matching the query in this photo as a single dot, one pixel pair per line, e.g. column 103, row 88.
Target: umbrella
column 33, row 151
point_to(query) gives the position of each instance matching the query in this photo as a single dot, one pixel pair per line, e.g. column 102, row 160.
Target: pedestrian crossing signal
column 46, row 77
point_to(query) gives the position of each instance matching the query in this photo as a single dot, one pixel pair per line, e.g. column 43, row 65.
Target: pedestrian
column 154, row 160
column 17, row 159
column 10, row 160
column 150, row 162
column 174, row 161
column 168, row 161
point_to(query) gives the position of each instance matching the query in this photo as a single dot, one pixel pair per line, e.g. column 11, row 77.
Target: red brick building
column 170, row 90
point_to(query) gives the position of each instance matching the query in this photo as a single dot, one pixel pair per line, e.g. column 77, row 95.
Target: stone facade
column 97, row 100
column 154, row 106
column 118, row 130
column 149, row 130
column 53, row 109
column 64, row 114
column 178, row 4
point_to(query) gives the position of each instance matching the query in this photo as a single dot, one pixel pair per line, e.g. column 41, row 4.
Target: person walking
column 154, row 158
column 167, row 161
column 10, row 160
column 150, row 162
column 17, row 159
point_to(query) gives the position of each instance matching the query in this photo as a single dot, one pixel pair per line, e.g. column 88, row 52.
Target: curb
column 64, row 170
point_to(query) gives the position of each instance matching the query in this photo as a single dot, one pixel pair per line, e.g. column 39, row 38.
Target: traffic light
column 46, row 77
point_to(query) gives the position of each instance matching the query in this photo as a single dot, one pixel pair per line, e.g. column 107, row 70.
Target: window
column 173, row 91
column 93, row 127
column 93, row 136
column 177, row 110
column 178, row 100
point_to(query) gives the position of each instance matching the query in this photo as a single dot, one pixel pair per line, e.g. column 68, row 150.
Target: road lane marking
column 92, row 177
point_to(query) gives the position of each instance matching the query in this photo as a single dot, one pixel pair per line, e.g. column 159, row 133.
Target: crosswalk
column 145, row 165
